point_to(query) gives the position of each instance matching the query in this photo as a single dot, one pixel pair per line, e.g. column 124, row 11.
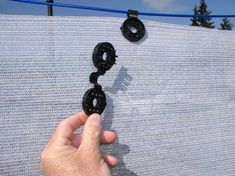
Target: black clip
column 132, row 28
column 132, row 14
column 104, row 57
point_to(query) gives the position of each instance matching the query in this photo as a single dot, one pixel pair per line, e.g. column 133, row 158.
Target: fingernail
column 95, row 120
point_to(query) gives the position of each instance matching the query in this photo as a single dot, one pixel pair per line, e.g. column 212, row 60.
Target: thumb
column 92, row 132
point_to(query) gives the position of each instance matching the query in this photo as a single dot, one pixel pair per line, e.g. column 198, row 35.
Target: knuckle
column 94, row 132
column 43, row 156
column 46, row 157
column 62, row 123
column 45, row 152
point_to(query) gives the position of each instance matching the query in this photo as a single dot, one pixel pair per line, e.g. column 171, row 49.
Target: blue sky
column 160, row 6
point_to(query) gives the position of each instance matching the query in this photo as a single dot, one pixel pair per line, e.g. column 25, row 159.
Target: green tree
column 202, row 21
column 226, row 25
column 195, row 19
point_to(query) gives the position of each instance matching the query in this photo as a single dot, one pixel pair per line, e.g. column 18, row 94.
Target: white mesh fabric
column 170, row 97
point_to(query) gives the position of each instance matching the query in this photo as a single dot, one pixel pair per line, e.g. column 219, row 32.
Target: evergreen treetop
column 202, row 21
column 195, row 19
column 226, row 25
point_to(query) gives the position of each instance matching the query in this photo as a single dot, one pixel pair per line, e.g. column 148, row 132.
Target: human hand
column 72, row 154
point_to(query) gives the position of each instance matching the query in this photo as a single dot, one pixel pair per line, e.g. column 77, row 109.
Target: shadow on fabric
column 121, row 83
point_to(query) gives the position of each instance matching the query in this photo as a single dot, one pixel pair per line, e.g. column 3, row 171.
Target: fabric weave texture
column 170, row 97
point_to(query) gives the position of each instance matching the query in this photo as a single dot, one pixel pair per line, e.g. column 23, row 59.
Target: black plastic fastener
column 132, row 28
column 104, row 57
column 94, row 101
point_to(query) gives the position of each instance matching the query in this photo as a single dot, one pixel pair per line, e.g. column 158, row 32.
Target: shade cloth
column 170, row 96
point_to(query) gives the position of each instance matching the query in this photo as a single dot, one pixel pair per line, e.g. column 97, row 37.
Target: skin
column 74, row 154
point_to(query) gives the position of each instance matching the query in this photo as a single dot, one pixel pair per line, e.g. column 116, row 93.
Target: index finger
column 67, row 127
